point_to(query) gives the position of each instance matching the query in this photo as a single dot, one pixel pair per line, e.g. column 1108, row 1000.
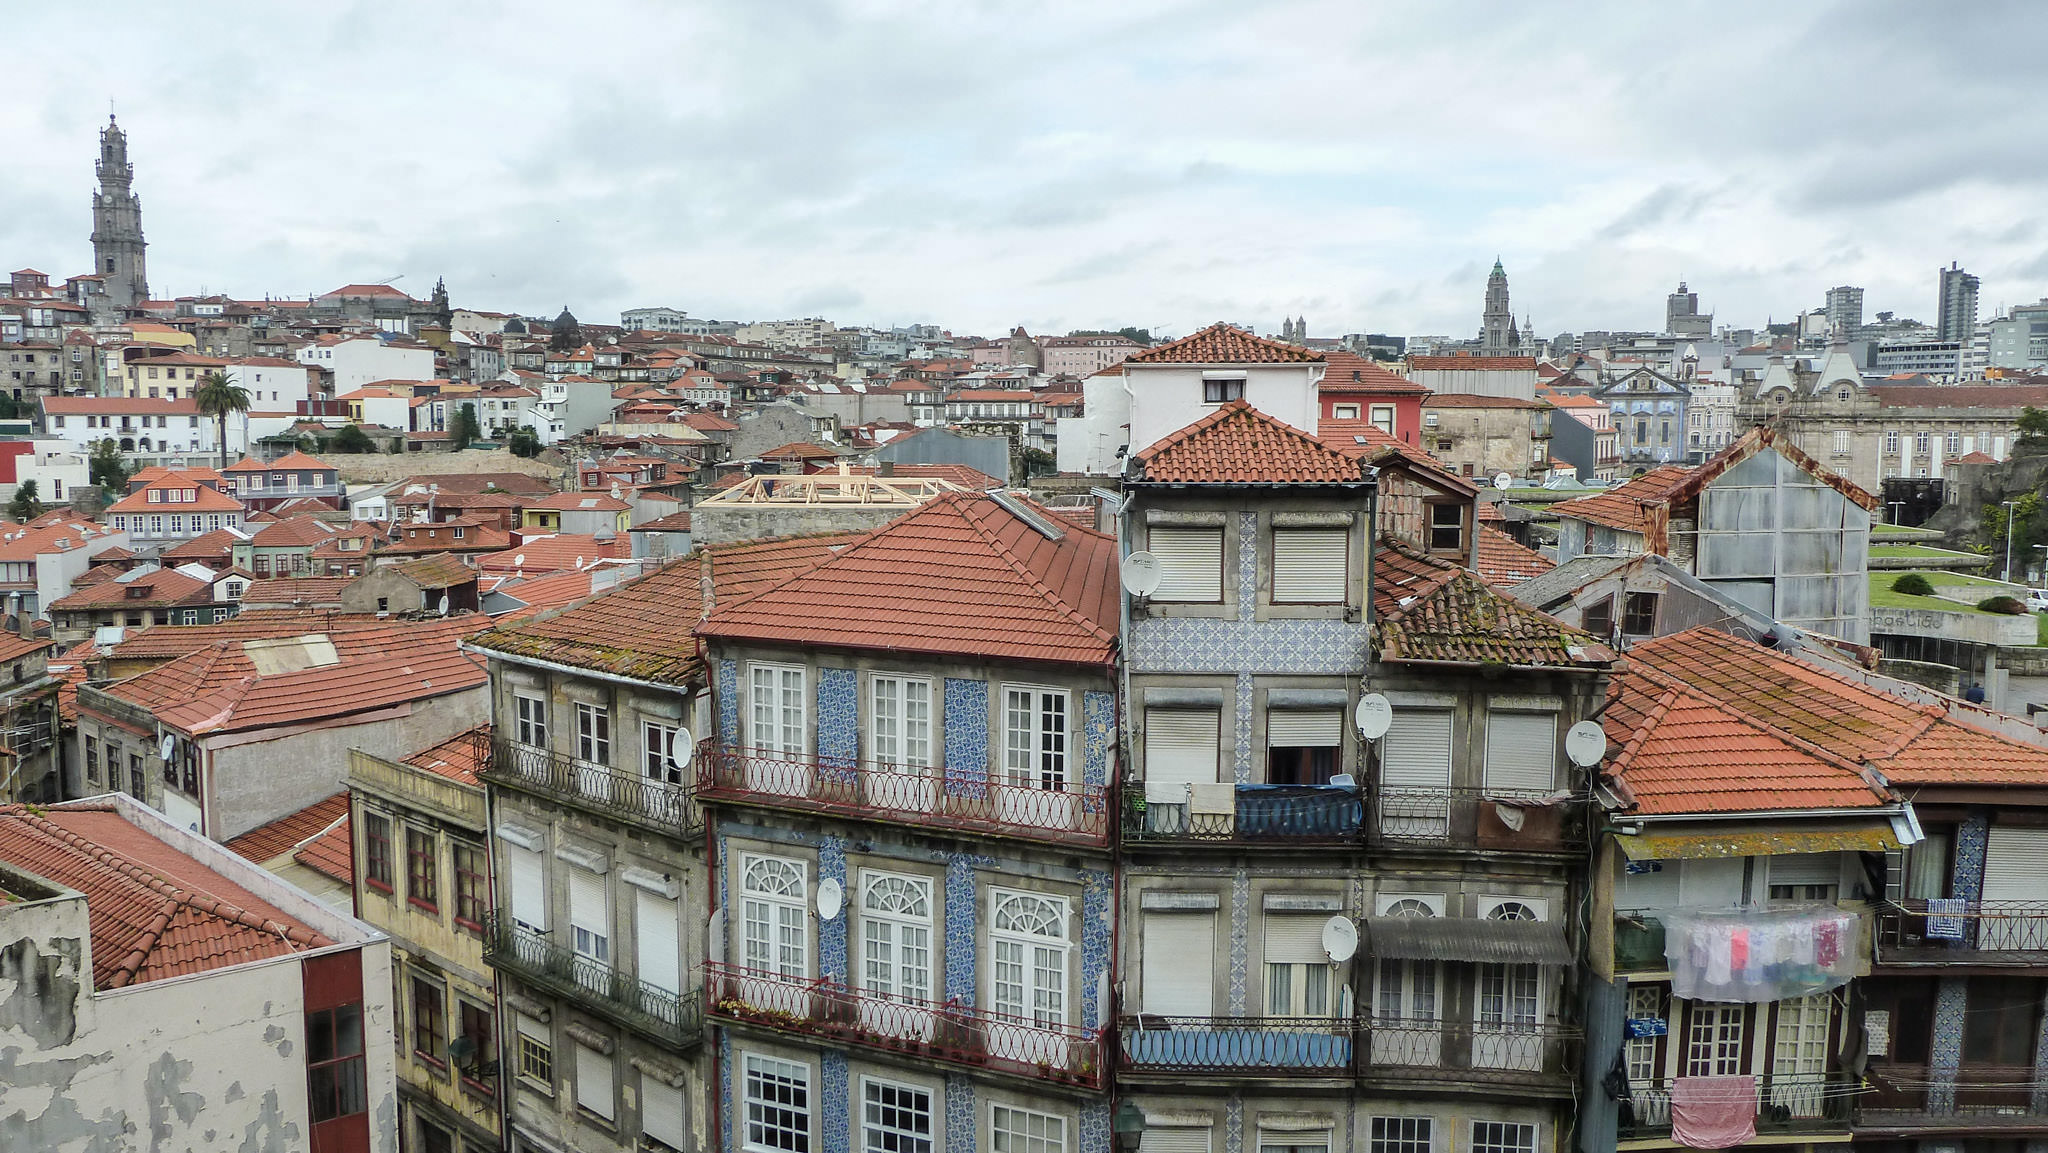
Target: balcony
column 1981, row 932
column 1638, row 942
column 675, row 1018
column 960, row 1035
column 1246, row 814
column 1476, row 819
column 1903, row 1101
column 1786, row 1103
column 665, row 808
column 1534, row 1056
column 1282, row 1047
column 932, row 798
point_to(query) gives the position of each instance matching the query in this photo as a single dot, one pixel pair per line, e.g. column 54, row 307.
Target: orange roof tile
column 1363, row 440
column 1432, row 610
column 1238, row 444
column 556, row 553
column 207, row 546
column 268, row 842
column 153, row 912
column 139, row 588
column 1505, row 562
column 797, row 450
column 580, row 502
column 304, row 590
column 332, row 853
column 960, row 575
column 1224, row 344
column 456, row 758
column 292, row 532
column 203, row 499
column 1350, row 372
column 1624, row 505
column 293, row 461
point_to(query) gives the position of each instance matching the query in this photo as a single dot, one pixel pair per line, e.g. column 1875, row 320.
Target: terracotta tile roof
column 541, row 594
column 14, row 646
column 1489, row 512
column 268, row 842
column 1224, row 344
column 1364, row 441
column 1623, row 505
column 517, row 482
column 556, row 553
column 1975, row 458
column 456, row 758
column 25, row 544
column 1471, row 363
column 158, row 587
column 99, row 405
column 203, row 499
column 461, row 500
column 165, row 642
column 705, row 422
column 305, row 590
column 1238, row 444
column 438, row 571
column 1350, row 372
column 1432, row 610
column 580, row 502
column 332, row 853
column 223, row 688
column 798, row 450
column 478, row 537
column 208, row 546
column 642, row 629
column 293, row 532
column 306, row 506
column 960, row 575
column 673, row 522
column 154, row 913
column 1478, row 400
column 293, row 461
column 1505, row 562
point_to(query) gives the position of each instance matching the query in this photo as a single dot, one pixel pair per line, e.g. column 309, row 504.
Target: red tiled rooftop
column 1432, row 610
column 1504, row 561
column 456, row 758
column 293, row 461
column 1471, row 363
column 332, row 853
column 1478, row 400
column 306, row 590
column 268, row 842
column 1624, row 506
column 1224, row 344
column 1238, row 444
column 559, row 552
column 1350, row 372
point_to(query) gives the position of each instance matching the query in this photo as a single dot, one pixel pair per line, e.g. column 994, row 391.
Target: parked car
column 2037, row 600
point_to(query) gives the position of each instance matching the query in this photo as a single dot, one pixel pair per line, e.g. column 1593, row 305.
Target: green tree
column 1141, row 335
column 25, row 506
column 10, row 408
column 217, row 396
column 463, row 430
column 524, row 442
column 107, row 468
column 2033, row 426
column 352, row 438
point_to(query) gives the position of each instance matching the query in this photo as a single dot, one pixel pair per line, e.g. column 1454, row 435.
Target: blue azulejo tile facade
column 1204, row 645
column 729, row 702
column 966, row 737
column 838, row 720
column 963, row 916
column 1098, row 736
column 832, row 933
column 834, row 1100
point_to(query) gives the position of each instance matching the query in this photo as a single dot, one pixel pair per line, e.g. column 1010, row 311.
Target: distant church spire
column 1497, row 333
column 117, row 244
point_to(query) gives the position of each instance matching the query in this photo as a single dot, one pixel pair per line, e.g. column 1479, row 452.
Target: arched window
column 1512, row 911
column 1410, row 907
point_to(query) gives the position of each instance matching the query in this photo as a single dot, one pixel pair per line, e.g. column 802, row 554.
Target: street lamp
column 1128, row 1126
column 2008, row 539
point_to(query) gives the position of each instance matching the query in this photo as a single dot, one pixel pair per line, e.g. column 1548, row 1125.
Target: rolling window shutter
column 1314, row 728
column 1806, row 869
column 594, row 1081
column 1181, row 746
column 529, row 886
column 1521, row 752
column 661, row 1112
column 2016, row 864
column 1416, row 752
column 586, row 902
column 1190, row 563
column 1179, row 950
column 1309, row 564
column 1709, row 883
column 1295, row 941
column 1181, row 1139
column 658, row 940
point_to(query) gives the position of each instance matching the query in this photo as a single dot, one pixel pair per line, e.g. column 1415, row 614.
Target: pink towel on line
column 1713, row 1112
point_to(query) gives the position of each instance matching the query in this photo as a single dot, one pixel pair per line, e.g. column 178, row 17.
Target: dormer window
column 1447, row 528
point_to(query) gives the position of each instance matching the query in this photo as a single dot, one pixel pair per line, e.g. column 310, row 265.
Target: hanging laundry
column 1713, row 1112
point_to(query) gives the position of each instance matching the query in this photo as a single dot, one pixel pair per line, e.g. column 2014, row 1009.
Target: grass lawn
column 1882, row 596
column 1923, row 552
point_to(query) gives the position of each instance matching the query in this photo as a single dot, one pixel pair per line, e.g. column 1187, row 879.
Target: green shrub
column 2010, row 606
column 1913, row 585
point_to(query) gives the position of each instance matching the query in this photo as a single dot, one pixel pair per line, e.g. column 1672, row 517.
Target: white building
column 356, row 361
column 274, row 384
column 656, row 319
column 167, row 992
column 148, row 431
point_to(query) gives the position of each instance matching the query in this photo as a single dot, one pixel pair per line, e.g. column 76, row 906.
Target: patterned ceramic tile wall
column 963, row 915
column 1247, row 564
column 1094, row 1125
column 1240, row 943
column 1097, row 923
column 1950, row 1000
column 1242, row 732
column 724, row 1043
column 1098, row 736
column 959, row 1114
column 838, row 718
column 1233, row 1125
column 729, row 702
column 966, row 738
column 833, row 1094
column 832, row 933
column 1971, row 837
column 1205, row 645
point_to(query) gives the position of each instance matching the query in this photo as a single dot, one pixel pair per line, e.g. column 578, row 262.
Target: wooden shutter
column 1416, row 752
column 1190, row 564
column 529, row 886
column 2016, row 864
column 1180, row 949
column 1309, row 565
column 658, row 941
column 1304, row 728
column 594, row 1081
column 1295, row 940
column 1181, row 746
column 1521, row 752
column 1179, row 1139
column 661, row 1112
column 586, row 903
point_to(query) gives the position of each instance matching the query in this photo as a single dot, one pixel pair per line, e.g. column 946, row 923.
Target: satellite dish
column 681, row 749
column 166, row 747
column 1504, row 480
column 831, row 895
column 444, row 604
column 1140, row 573
column 1586, row 744
column 1340, row 939
column 1373, row 716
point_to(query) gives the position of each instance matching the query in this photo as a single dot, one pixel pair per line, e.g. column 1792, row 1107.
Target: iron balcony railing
column 1282, row 1047
column 1785, row 1103
column 1910, row 931
column 962, row 1035
column 666, row 806
column 1476, row 819
column 1033, row 809
column 1529, row 1054
column 1245, row 814
column 1904, row 1098
column 665, row 1014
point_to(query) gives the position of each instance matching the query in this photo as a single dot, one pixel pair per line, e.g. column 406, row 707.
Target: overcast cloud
column 979, row 165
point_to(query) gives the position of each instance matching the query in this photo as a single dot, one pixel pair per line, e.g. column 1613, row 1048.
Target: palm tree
column 217, row 396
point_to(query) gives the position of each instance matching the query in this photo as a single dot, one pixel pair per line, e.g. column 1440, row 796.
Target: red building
column 1355, row 388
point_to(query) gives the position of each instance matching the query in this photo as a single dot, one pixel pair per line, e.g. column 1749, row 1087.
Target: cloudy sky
column 981, row 164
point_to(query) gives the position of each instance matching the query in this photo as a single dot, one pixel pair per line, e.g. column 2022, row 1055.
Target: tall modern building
column 1682, row 315
column 1497, row 333
column 1845, row 311
column 1957, row 313
column 117, row 244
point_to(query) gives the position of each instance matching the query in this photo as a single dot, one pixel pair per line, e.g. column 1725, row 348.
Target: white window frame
column 1401, row 1135
column 1489, row 1136
column 1030, row 758
column 531, row 719
column 774, row 923
column 900, row 730
column 778, row 709
column 786, row 1123
column 593, row 733
column 879, row 1132
column 654, row 740
column 896, row 942
column 1021, row 960
column 1010, row 1130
